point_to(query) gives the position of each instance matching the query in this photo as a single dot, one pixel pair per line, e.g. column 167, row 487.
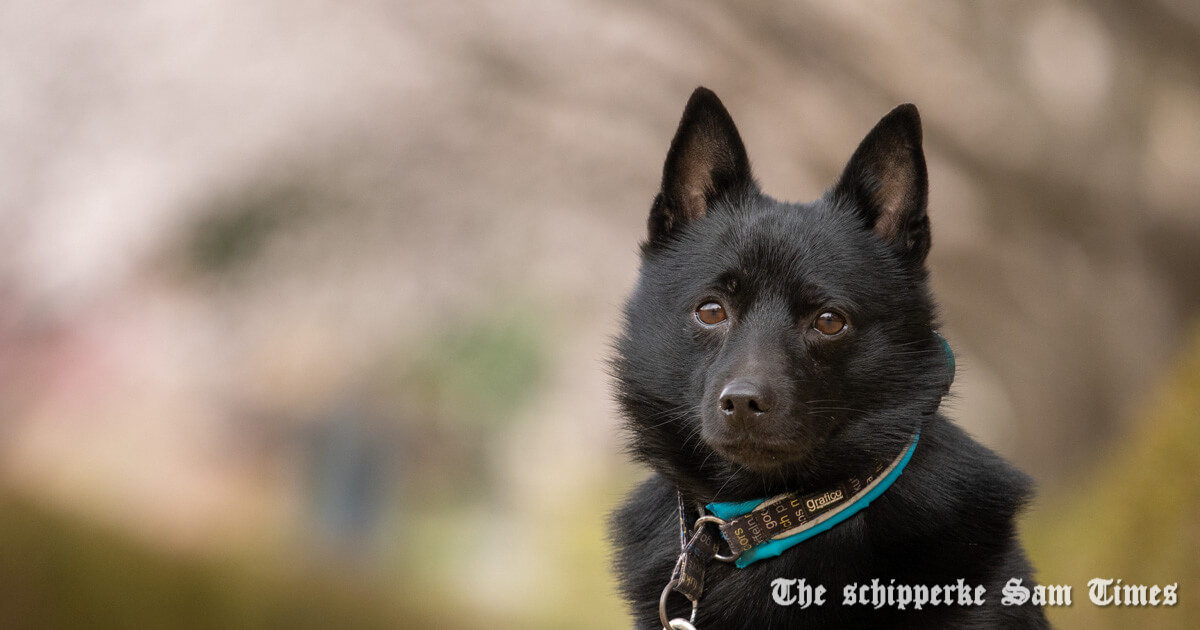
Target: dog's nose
column 743, row 401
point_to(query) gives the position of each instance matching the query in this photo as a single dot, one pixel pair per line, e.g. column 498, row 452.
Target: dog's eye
column 829, row 323
column 711, row 314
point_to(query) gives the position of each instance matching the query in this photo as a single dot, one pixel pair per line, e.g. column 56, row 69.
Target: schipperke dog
column 780, row 372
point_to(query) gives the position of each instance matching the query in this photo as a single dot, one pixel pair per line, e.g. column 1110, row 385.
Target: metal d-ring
column 708, row 518
column 671, row 624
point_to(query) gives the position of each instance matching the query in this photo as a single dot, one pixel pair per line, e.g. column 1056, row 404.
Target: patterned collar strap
column 766, row 528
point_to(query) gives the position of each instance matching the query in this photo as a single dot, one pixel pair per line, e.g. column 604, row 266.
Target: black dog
column 789, row 350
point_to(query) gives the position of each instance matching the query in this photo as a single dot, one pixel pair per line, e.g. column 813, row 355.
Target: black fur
column 830, row 405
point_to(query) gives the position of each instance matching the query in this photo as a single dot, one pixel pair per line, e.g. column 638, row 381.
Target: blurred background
column 304, row 306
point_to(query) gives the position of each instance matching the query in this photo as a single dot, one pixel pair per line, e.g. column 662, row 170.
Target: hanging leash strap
column 697, row 547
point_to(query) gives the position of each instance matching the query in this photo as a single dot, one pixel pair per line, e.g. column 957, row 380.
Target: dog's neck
column 764, row 528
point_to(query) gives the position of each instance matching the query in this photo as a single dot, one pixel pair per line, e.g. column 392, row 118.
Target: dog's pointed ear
column 706, row 162
column 886, row 183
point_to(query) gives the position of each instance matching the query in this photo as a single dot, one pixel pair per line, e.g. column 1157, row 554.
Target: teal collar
column 765, row 528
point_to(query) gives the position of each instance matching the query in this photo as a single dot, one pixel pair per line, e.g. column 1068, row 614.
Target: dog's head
column 768, row 344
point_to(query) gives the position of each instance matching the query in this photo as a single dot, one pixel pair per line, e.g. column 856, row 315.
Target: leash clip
column 678, row 623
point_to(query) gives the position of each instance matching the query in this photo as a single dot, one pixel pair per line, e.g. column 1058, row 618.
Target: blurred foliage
column 58, row 572
column 1136, row 519
column 575, row 587
column 230, row 235
column 477, row 370
column 589, row 598
column 455, row 392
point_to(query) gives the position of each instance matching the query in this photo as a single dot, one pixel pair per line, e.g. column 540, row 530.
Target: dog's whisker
column 729, row 477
